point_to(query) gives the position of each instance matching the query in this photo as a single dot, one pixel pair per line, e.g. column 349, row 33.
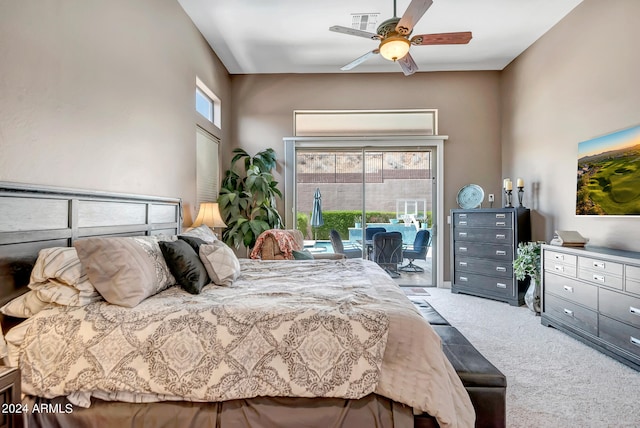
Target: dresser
column 484, row 245
column 593, row 294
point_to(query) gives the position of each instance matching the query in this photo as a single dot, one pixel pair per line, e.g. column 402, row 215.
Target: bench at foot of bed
column 486, row 385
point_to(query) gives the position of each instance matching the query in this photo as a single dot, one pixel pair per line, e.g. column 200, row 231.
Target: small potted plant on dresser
column 527, row 264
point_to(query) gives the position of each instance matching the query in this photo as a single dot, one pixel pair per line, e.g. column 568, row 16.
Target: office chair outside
column 387, row 251
column 419, row 251
column 338, row 246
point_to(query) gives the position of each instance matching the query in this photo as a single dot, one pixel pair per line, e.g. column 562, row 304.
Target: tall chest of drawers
column 483, row 247
column 593, row 294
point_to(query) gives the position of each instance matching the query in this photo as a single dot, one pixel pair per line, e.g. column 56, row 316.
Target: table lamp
column 209, row 215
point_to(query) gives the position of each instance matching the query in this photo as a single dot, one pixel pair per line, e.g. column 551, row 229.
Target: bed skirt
column 263, row 412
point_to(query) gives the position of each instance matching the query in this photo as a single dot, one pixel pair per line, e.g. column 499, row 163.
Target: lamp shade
column 209, row 215
column 395, row 47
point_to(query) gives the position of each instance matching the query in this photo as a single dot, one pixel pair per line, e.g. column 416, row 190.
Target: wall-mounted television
column 609, row 174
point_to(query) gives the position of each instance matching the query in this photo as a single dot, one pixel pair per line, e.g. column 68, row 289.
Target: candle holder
column 508, row 194
column 520, row 194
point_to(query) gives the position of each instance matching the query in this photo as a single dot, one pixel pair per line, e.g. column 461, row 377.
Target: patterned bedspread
column 321, row 328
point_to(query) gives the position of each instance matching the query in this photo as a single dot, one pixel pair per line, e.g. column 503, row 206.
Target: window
column 206, row 167
column 208, row 104
column 204, row 105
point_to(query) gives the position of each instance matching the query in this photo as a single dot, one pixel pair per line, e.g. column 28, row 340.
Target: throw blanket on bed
column 285, row 240
column 319, row 328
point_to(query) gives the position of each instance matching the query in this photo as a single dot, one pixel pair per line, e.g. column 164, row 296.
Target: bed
column 285, row 343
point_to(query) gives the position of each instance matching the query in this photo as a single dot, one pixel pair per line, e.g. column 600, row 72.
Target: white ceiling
column 292, row 36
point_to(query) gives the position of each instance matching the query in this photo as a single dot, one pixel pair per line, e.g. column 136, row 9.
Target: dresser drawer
column 597, row 265
column 485, row 267
column 489, row 236
column 619, row 334
column 551, row 257
column 601, row 278
column 497, row 286
column 572, row 290
column 490, row 251
column 620, row 306
column 551, row 265
column 632, row 284
column 572, row 314
column 480, row 219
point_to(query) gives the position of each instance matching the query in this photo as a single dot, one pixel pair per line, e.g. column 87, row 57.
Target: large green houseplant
column 248, row 198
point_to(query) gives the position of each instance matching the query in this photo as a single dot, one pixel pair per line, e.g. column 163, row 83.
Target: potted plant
column 358, row 221
column 527, row 264
column 248, row 198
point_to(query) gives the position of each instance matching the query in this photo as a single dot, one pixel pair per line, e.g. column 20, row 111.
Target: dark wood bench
column 486, row 385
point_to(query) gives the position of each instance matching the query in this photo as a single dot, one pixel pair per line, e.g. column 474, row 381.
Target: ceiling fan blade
column 459, row 38
column 414, row 12
column 360, row 60
column 354, row 32
column 408, row 65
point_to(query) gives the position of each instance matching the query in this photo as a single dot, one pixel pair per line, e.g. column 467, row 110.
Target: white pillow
column 63, row 265
column 220, row 261
column 25, row 305
column 203, row 232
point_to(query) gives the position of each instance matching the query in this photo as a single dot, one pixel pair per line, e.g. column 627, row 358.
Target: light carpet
column 553, row 380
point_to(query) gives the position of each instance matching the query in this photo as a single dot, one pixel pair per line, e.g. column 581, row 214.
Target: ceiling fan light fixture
column 395, row 47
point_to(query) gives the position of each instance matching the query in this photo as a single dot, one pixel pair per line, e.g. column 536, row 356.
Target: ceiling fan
column 394, row 33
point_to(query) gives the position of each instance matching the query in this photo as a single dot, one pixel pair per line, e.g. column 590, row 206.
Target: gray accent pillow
column 221, row 263
column 125, row 271
column 185, row 265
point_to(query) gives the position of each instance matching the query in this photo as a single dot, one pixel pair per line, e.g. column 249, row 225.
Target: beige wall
column 579, row 81
column 468, row 104
column 100, row 95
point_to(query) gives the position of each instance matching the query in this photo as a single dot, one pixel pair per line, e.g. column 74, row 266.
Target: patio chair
column 419, row 251
column 338, row 247
column 387, row 251
column 370, row 231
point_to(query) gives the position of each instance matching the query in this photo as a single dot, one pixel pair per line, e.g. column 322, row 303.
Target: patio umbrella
column 316, row 211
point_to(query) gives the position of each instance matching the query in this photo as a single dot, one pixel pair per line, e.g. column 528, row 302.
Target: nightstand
column 10, row 417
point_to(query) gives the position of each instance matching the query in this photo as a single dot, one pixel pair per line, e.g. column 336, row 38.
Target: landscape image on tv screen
column 609, row 174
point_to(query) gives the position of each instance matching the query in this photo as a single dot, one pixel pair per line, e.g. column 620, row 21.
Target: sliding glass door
column 362, row 188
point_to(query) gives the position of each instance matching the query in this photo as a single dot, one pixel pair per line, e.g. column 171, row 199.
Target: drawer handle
column 463, row 216
column 462, row 223
column 568, row 312
column 501, row 268
column 462, row 234
column 464, row 264
column 599, row 265
column 558, row 256
column 598, row 278
column 634, row 311
column 464, row 279
column 501, row 253
column 501, row 216
column 501, row 285
column 500, row 236
column 501, row 223
column 559, row 268
column 463, row 249
column 569, row 289
column 634, row 341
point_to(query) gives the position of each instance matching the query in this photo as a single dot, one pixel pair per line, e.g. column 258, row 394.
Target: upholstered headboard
column 36, row 217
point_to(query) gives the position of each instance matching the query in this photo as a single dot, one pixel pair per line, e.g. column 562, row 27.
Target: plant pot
column 532, row 296
column 358, row 225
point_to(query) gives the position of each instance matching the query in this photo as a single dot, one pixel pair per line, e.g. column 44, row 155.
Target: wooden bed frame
column 36, row 217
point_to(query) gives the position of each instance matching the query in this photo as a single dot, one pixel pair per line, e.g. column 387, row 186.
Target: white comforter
column 320, row 328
